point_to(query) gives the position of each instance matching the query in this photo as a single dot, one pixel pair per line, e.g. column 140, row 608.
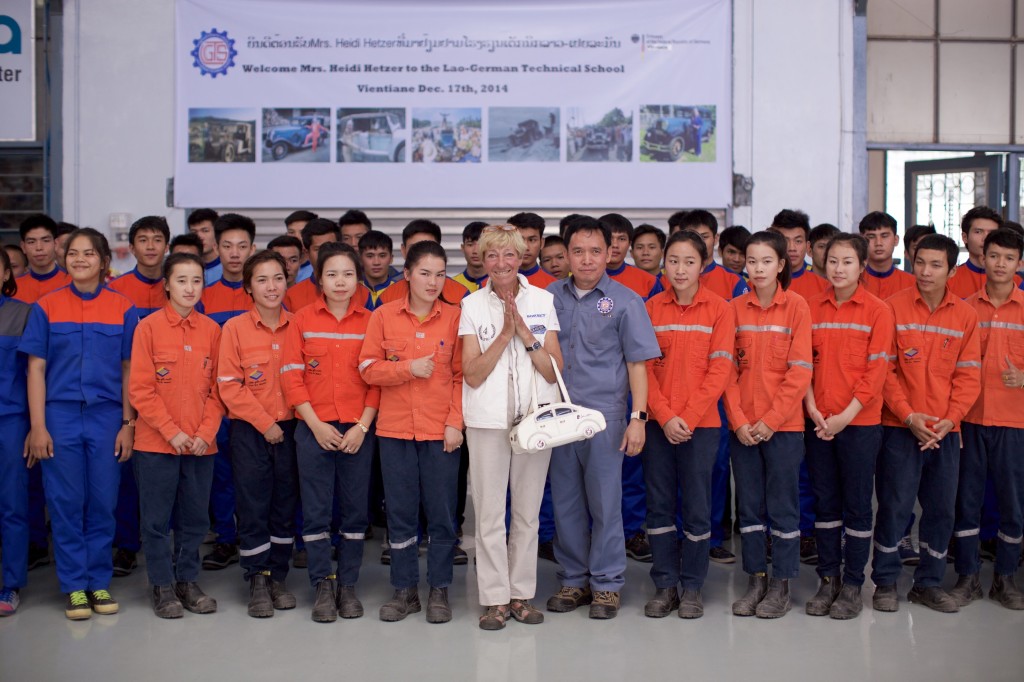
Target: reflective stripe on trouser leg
column 938, row 500
column 782, row 457
column 697, row 460
column 1006, row 467
column 970, row 494
column 748, row 470
column 352, row 482
column 897, row 479
column 661, row 474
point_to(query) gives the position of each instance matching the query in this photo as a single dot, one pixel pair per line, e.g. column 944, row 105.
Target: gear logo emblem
column 214, row 53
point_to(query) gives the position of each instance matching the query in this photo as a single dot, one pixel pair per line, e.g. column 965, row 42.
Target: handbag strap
column 564, row 392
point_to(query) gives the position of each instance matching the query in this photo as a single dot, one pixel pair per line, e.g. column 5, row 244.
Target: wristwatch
column 536, row 346
column 639, row 414
column 128, row 422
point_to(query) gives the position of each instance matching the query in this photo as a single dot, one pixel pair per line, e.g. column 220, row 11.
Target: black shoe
column 908, row 555
column 460, row 558
column 885, row 598
column 988, row 550
column 124, row 563
column 194, row 599
column 546, row 551
column 401, row 604
column 385, row 556
column 222, row 556
column 438, row 609
column 664, row 602
column 1005, row 591
column 934, row 598
column 966, row 590
column 828, row 590
column 569, row 599
column 38, row 556
column 776, row 602
column 691, row 605
column 325, row 607
column 605, row 605
column 720, row 555
column 809, row 551
column 848, row 604
column 261, row 604
column 300, row 559
column 638, row 548
column 165, row 603
column 282, row 598
column 757, row 586
column 349, row 605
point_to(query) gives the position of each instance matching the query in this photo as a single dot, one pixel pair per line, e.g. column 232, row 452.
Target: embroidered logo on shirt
column 486, row 332
column 314, row 363
column 910, row 353
column 605, row 305
column 162, row 372
column 537, row 329
column 256, row 375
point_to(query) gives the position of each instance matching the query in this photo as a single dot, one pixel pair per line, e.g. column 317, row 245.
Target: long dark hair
column 419, row 251
column 778, row 244
column 9, row 287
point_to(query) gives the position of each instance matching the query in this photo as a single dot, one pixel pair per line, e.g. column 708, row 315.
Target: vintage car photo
column 301, row 135
column 222, row 135
column 676, row 132
column 371, row 135
column 449, row 135
column 523, row 134
column 599, row 134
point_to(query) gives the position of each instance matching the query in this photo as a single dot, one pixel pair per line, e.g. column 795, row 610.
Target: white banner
column 17, row 70
column 386, row 103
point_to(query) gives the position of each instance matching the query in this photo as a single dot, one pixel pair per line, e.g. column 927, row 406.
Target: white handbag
column 554, row 424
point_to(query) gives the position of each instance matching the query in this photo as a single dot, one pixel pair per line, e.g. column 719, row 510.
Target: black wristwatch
column 536, row 346
column 639, row 415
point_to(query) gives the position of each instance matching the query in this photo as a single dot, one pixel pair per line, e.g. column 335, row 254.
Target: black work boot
column 349, row 605
column 282, row 598
column 828, row 590
column 776, row 601
column 261, row 604
column 848, row 604
column 165, row 603
column 691, row 604
column 966, row 590
column 757, row 586
column 885, row 598
column 664, row 602
column 402, row 603
column 194, row 599
column 1005, row 591
column 438, row 610
column 934, row 598
column 324, row 608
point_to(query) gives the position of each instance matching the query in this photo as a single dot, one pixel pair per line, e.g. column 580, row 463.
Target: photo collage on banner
column 582, row 103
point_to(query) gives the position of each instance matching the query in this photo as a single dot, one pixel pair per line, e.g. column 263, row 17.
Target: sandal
column 494, row 617
column 525, row 612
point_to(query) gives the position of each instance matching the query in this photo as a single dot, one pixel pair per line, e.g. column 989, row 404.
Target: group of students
column 240, row 382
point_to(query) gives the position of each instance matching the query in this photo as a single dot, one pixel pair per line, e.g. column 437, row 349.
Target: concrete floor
column 38, row 644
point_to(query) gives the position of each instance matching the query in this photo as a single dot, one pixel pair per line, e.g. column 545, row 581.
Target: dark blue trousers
column 14, row 500
column 904, row 474
column 842, row 473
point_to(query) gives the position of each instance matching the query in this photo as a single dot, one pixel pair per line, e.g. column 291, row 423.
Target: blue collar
column 618, row 271
column 483, row 278
column 801, row 271
column 50, row 275
column 974, row 268
column 525, row 273
column 214, row 263
column 231, row 285
column 143, row 278
column 880, row 275
column 85, row 296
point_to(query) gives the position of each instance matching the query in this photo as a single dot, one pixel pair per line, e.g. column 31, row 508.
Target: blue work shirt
column 600, row 333
column 13, row 365
column 84, row 338
column 305, row 272
column 214, row 270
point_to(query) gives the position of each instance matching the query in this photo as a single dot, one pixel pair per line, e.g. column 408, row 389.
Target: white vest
column 483, row 316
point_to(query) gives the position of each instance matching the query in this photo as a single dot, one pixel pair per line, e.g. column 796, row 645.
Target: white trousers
column 505, row 570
